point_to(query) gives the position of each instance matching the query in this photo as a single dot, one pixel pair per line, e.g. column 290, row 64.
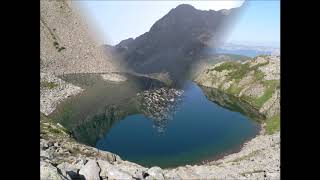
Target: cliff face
column 65, row 42
column 175, row 41
column 256, row 81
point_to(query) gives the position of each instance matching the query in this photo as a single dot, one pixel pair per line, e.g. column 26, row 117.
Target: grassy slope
column 48, row 85
column 48, row 127
column 238, row 72
column 273, row 124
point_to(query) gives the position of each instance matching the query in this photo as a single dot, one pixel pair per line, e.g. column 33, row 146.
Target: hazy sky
column 119, row 20
column 259, row 23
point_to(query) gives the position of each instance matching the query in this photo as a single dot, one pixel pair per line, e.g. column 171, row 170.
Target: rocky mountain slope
column 54, row 90
column 256, row 81
column 208, row 58
column 174, row 42
column 66, row 45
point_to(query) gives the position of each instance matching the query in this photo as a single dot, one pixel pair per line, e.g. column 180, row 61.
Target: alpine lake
column 195, row 124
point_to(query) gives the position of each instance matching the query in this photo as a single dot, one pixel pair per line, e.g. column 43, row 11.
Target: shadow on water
column 90, row 114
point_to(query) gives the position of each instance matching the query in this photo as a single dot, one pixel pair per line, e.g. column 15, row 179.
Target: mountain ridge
column 174, row 42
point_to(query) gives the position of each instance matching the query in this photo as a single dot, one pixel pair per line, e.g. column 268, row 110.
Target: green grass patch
column 264, row 98
column 227, row 66
column 55, row 131
column 273, row 124
column 259, row 65
column 47, row 84
column 258, row 75
column 234, row 89
column 43, row 117
column 271, row 87
column 238, row 70
column 48, row 125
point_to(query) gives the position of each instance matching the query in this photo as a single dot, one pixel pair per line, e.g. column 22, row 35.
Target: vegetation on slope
column 48, row 85
column 49, row 128
column 273, row 124
column 248, row 80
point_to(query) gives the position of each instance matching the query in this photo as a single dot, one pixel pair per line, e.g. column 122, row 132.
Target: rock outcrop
column 90, row 171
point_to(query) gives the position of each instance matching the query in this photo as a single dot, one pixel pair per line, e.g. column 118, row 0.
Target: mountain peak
column 184, row 6
column 179, row 35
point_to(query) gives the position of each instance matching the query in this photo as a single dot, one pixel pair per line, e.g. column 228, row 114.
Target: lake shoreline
column 251, row 160
column 244, row 161
column 233, row 150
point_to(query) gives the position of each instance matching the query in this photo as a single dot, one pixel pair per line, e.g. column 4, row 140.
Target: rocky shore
column 54, row 90
column 64, row 158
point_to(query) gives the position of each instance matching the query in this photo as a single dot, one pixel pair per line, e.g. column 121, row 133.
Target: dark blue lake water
column 199, row 130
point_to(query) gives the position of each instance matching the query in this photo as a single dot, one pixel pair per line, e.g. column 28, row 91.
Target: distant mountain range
column 247, row 50
column 174, row 42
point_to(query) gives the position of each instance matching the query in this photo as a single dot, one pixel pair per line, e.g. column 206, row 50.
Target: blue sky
column 258, row 24
column 118, row 20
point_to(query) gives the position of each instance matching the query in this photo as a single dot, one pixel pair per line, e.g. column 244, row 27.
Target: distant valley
column 247, row 50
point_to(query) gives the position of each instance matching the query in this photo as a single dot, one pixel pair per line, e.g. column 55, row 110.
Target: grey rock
column 45, row 154
column 49, row 172
column 108, row 171
column 90, row 171
column 155, row 173
column 69, row 170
